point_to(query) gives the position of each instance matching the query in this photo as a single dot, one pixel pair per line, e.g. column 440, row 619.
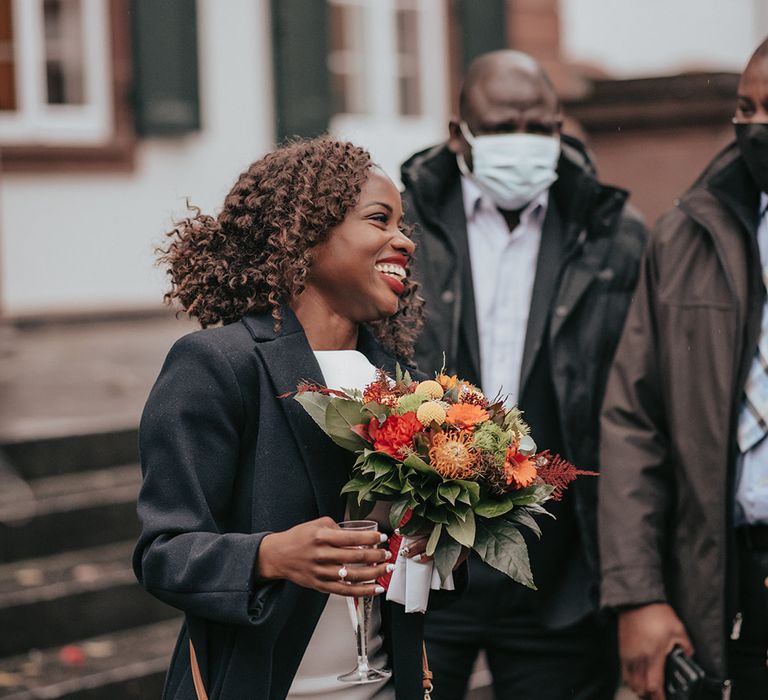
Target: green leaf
column 363, row 492
column 446, row 555
column 500, row 544
column 315, row 404
column 355, row 484
column 393, row 478
column 438, row 514
column 417, row 463
column 397, row 511
column 533, row 494
column 424, row 490
column 463, row 531
column 472, row 490
column 379, row 412
column 493, row 509
column 434, row 538
column 398, row 373
column 340, row 417
column 416, row 525
column 381, row 465
column 523, row 517
column 452, row 395
column 449, row 491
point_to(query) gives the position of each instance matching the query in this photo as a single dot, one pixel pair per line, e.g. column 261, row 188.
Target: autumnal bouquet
column 452, row 463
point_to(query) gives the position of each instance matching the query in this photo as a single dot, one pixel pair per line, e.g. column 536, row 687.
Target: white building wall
column 627, row 38
column 85, row 241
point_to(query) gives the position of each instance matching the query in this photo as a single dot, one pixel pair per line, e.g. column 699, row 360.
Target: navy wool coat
column 225, row 462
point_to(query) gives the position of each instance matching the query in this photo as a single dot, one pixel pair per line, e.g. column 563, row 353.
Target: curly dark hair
column 254, row 256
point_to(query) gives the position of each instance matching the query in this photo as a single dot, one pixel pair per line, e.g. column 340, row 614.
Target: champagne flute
column 360, row 610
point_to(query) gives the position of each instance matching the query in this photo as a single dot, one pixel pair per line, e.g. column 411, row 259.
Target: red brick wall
column 657, row 165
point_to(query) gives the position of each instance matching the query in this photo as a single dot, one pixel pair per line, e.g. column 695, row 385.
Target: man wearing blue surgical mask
column 527, row 264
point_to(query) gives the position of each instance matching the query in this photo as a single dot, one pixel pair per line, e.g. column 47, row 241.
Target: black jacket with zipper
column 586, row 273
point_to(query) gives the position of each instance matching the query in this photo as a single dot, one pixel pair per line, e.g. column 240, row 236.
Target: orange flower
column 394, row 433
column 447, row 381
column 520, row 470
column 465, row 415
column 451, row 456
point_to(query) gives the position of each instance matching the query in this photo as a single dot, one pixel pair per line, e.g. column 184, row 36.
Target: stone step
column 126, row 665
column 56, row 599
column 71, row 511
column 37, row 458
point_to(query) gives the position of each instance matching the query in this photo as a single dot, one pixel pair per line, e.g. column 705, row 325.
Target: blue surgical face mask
column 511, row 169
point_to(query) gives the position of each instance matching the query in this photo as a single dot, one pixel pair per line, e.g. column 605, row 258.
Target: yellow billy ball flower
column 430, row 389
column 430, row 411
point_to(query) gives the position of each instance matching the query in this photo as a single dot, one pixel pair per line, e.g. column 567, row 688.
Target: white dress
column 331, row 650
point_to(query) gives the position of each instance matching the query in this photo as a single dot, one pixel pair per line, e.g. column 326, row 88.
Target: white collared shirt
column 503, row 271
column 752, row 475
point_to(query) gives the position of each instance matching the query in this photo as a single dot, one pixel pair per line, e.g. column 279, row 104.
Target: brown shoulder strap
column 427, row 674
column 197, row 677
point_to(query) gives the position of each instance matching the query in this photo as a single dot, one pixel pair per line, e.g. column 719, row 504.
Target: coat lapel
column 577, row 278
column 452, row 212
column 289, row 360
column 547, row 270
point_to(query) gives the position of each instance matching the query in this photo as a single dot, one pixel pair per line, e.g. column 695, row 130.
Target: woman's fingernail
column 383, row 538
column 397, row 531
column 378, row 590
column 387, row 554
column 416, row 558
column 390, row 568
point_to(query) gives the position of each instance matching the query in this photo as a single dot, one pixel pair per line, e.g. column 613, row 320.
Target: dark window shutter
column 482, row 27
column 165, row 72
column 302, row 85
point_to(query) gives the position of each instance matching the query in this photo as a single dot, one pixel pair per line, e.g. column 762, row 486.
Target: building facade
column 116, row 113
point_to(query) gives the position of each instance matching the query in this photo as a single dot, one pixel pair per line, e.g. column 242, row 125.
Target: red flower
column 394, row 433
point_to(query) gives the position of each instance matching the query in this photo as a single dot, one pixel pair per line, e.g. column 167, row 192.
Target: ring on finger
column 343, row 573
column 405, row 551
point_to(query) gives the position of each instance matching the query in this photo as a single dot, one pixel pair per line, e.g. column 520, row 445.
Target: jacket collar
column 734, row 187
column 434, row 178
column 289, row 360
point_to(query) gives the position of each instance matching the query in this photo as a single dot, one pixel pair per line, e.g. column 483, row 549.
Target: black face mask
column 753, row 144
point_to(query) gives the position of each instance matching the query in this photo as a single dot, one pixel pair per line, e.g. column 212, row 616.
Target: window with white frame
column 380, row 53
column 55, row 73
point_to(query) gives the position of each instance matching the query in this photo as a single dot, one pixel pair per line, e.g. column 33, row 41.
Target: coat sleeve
column 635, row 486
column 190, row 450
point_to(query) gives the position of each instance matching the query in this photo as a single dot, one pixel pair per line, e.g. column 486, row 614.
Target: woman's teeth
column 397, row 271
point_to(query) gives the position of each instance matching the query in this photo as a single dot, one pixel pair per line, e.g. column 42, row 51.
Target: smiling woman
column 307, row 268
column 359, row 273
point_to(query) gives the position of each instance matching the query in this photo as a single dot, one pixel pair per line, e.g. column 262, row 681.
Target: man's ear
column 455, row 143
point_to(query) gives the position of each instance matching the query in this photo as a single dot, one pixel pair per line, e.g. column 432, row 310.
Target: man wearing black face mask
column 527, row 264
column 684, row 489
